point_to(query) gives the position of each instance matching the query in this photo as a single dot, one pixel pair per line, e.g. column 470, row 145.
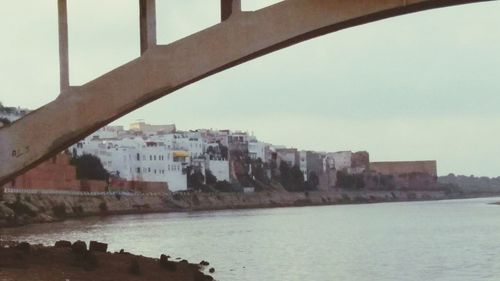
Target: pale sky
column 416, row 87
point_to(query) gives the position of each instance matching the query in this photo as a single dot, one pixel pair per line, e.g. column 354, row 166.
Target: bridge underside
column 162, row 69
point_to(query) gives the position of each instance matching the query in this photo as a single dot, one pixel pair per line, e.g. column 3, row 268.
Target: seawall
column 203, row 201
column 20, row 209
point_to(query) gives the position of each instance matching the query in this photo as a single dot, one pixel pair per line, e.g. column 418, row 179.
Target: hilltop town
column 161, row 158
column 159, row 168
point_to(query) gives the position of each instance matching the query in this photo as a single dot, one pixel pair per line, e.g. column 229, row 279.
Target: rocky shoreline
column 73, row 261
column 22, row 209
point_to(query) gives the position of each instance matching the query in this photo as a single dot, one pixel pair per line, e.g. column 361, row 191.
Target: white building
column 238, row 137
column 108, row 132
column 257, row 149
column 160, row 164
column 214, row 136
column 148, row 129
column 288, row 155
column 117, row 156
column 220, row 169
column 340, row 160
column 187, row 141
column 136, row 159
column 303, row 163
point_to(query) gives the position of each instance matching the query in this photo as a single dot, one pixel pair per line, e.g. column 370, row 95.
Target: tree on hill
column 258, row 170
column 4, row 121
column 195, row 179
column 224, row 186
column 224, row 151
column 210, row 179
column 89, row 167
column 210, row 150
column 291, row 178
column 296, row 179
column 284, row 174
column 312, row 181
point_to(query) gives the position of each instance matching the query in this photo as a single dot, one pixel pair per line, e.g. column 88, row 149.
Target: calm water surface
column 439, row 240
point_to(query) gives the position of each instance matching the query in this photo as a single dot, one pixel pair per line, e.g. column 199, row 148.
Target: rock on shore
column 73, row 261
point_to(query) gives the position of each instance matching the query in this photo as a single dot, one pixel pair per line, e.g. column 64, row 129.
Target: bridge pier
column 228, row 8
column 147, row 14
column 63, row 45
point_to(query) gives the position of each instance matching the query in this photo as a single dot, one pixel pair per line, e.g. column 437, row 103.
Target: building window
column 138, row 157
column 150, row 158
column 155, row 158
column 149, row 170
column 138, row 170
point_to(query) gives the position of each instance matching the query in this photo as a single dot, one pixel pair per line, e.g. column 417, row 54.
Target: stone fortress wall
column 405, row 167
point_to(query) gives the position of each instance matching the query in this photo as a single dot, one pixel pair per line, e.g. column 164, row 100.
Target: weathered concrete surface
column 63, row 44
column 228, row 8
column 147, row 10
column 163, row 69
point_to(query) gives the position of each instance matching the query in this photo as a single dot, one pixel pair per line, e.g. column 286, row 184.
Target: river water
column 436, row 240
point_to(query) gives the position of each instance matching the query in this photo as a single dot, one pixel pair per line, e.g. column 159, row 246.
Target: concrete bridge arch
column 162, row 69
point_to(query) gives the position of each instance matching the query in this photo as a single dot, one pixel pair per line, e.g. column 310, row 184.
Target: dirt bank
column 66, row 261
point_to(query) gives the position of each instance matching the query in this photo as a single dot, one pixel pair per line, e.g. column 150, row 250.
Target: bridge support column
column 228, row 8
column 63, row 45
column 147, row 14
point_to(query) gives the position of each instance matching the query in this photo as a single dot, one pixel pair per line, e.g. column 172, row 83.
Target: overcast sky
column 416, row 87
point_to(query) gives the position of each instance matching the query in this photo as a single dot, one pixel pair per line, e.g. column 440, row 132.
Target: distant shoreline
column 44, row 208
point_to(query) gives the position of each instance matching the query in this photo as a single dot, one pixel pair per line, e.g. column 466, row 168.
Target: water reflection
column 440, row 240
